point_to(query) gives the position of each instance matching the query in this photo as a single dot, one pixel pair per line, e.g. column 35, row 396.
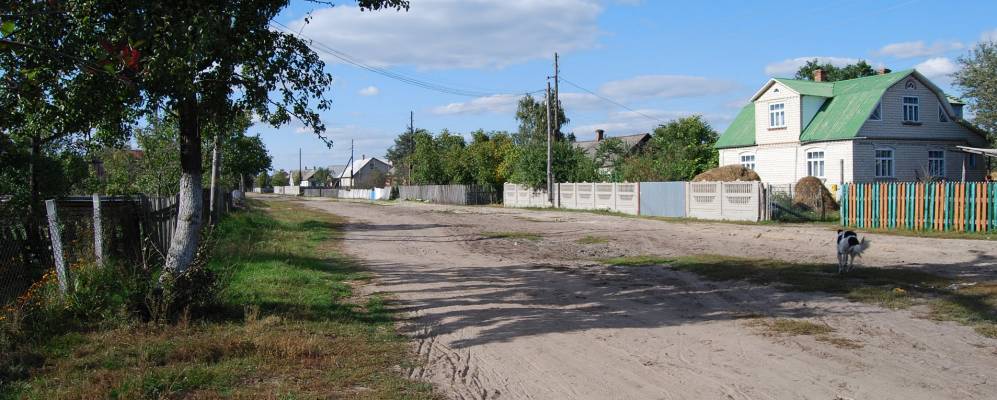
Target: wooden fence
column 450, row 194
column 935, row 206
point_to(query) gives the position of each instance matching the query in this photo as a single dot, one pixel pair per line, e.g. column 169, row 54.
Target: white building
column 364, row 173
column 889, row 127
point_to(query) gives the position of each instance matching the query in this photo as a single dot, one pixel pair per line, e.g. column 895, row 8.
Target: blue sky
column 663, row 59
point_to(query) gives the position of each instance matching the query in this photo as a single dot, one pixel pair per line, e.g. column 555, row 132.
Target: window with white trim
column 748, row 161
column 815, row 163
column 777, row 115
column 877, row 113
column 936, row 163
column 941, row 115
column 884, row 163
column 911, row 108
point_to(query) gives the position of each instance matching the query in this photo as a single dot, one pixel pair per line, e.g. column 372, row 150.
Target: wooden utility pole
column 300, row 172
column 411, row 131
column 352, row 178
column 557, row 98
column 550, row 181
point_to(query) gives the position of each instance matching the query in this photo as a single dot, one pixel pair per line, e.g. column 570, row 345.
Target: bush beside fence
column 935, row 206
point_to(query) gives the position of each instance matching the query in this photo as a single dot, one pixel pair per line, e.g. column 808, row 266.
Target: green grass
column 637, row 261
column 287, row 325
column 896, row 288
column 512, row 235
column 591, row 239
column 786, row 326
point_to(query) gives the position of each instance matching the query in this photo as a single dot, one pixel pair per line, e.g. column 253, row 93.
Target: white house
column 889, row 127
column 364, row 173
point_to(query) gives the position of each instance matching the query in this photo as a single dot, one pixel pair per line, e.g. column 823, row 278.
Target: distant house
column 307, row 177
column 889, row 127
column 631, row 143
column 364, row 173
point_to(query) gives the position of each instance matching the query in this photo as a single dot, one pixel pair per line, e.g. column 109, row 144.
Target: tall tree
column 532, row 116
column 400, row 154
column 977, row 79
column 834, row 73
column 678, row 151
column 206, row 60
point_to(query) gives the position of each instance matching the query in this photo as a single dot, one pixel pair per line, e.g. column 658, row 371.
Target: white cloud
column 499, row 104
column 369, row 91
column 620, row 123
column 787, row 68
column 919, row 49
column 457, row 33
column 938, row 68
column 989, row 36
column 664, row 86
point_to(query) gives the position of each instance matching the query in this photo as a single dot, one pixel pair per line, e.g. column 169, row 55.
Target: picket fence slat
column 931, row 206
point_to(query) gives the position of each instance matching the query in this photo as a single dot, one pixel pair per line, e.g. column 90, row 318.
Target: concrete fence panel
column 663, row 199
column 704, row 200
column 741, row 201
column 627, row 198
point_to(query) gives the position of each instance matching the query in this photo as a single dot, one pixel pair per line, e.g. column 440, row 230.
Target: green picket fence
column 937, row 206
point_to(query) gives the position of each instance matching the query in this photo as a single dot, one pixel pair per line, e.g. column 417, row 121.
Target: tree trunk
column 183, row 245
column 216, row 160
column 35, row 246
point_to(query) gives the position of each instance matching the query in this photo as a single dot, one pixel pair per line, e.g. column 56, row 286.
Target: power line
column 326, row 49
column 607, row 99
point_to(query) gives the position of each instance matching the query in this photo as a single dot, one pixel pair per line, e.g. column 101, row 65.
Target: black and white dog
column 849, row 246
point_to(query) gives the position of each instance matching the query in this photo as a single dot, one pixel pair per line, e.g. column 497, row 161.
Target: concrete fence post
column 56, row 237
column 98, row 231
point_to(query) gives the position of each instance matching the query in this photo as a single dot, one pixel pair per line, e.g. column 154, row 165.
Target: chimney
column 363, row 157
column 599, row 135
column 820, row 75
column 883, row 71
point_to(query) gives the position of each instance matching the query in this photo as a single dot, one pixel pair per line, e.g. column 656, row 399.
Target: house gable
column 781, row 95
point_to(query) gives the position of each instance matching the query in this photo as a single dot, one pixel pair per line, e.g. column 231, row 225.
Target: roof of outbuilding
column 841, row 116
column 630, row 141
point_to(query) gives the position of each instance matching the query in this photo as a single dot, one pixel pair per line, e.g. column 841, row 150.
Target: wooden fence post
column 98, row 231
column 55, row 235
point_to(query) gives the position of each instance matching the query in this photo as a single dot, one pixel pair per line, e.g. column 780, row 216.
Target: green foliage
column 490, row 158
column 401, row 152
column 677, row 151
column 280, row 178
column 975, row 78
column 569, row 164
column 532, row 116
column 850, row 71
column 425, row 160
column 262, row 180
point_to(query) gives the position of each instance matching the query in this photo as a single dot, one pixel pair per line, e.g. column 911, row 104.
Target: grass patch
column 512, row 235
column 637, row 261
column 287, row 325
column 972, row 304
column 590, row 239
column 786, row 326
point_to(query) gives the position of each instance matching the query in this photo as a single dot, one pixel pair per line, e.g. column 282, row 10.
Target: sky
column 662, row 60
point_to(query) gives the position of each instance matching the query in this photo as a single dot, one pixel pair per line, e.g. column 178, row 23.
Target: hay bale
column 727, row 173
column 808, row 195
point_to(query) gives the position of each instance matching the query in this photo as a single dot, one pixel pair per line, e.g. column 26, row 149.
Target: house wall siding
column 911, row 160
column 787, row 162
column 892, row 127
column 789, row 134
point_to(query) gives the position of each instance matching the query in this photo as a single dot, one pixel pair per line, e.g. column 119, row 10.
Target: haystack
column 727, row 173
column 809, row 194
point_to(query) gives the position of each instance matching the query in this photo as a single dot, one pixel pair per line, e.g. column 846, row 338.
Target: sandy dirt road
column 521, row 319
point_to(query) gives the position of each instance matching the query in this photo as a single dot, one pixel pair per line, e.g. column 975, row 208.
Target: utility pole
column 352, row 178
column 411, row 131
column 550, row 180
column 300, row 173
column 557, row 98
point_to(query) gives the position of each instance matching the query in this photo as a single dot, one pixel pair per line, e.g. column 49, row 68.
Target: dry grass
column 282, row 330
column 798, row 327
column 637, row 261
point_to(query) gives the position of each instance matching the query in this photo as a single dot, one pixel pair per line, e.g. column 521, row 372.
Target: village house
column 364, row 173
column 894, row 126
column 631, row 145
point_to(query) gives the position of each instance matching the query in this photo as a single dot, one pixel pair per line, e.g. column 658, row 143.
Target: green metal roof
column 809, row 88
column 955, row 100
column 841, row 116
column 741, row 131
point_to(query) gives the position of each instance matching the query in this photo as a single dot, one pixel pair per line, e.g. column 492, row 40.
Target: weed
column 590, row 239
column 512, row 235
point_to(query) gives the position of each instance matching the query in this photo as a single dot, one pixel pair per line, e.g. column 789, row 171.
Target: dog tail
column 861, row 247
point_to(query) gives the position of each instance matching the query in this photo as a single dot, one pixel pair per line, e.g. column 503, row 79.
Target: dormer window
column 911, row 109
column 877, row 112
column 941, row 115
column 777, row 115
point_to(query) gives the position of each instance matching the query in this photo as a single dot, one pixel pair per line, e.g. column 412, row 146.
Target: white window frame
column 942, row 117
column 936, row 162
column 877, row 112
column 777, row 117
column 749, row 164
column 908, row 110
column 815, row 163
column 889, row 170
